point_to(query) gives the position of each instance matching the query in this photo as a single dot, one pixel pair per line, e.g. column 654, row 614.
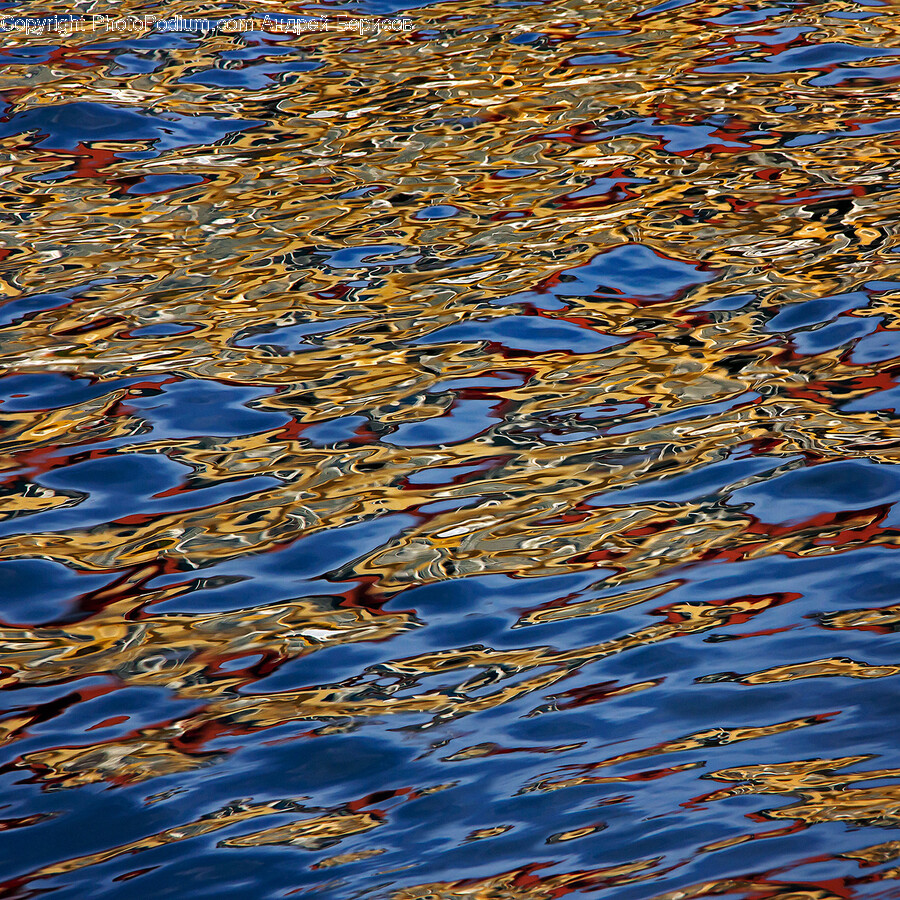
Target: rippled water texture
column 456, row 461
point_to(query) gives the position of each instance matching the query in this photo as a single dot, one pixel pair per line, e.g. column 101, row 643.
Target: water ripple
column 448, row 450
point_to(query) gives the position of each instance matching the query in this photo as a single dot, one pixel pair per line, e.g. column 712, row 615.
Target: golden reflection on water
column 541, row 162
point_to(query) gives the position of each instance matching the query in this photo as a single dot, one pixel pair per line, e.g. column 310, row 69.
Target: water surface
column 454, row 460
